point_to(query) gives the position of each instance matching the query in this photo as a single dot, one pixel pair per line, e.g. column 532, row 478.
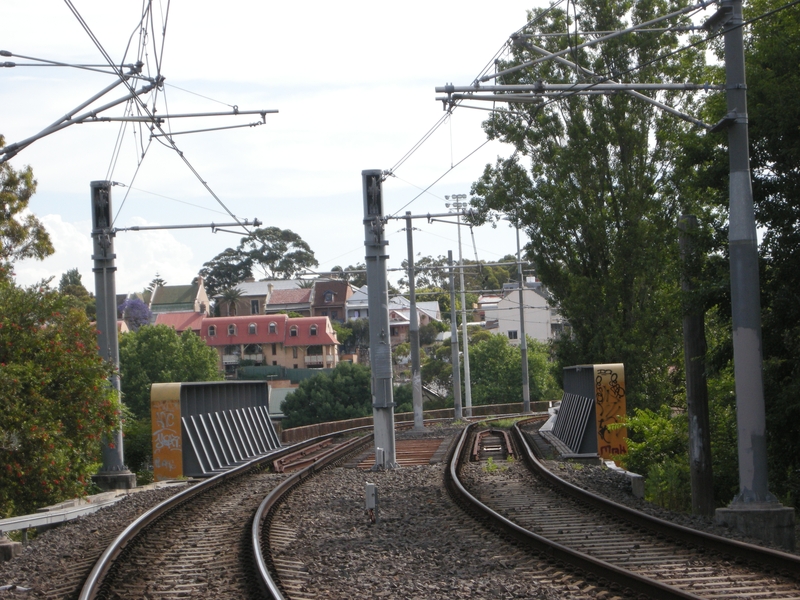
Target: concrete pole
column 745, row 300
column 380, row 349
column 467, row 383
column 694, row 355
column 526, row 384
column 454, row 353
column 113, row 474
column 413, row 332
column 754, row 511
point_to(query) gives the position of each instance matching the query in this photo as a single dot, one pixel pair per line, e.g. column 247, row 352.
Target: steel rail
column 553, row 550
column 784, row 563
column 268, row 584
column 94, row 581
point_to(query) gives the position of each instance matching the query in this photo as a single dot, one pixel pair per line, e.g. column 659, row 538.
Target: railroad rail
column 195, row 543
column 616, row 544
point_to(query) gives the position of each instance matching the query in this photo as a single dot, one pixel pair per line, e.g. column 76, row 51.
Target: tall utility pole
column 523, row 346
column 454, row 353
column 754, row 509
column 413, row 331
column 113, row 474
column 458, row 203
column 380, row 348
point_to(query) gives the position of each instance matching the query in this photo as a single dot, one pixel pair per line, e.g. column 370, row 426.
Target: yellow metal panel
column 609, row 387
column 165, row 411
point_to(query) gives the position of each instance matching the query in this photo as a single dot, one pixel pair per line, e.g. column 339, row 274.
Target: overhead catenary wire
column 148, row 112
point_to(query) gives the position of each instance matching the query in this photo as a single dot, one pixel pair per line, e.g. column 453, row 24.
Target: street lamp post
column 458, row 204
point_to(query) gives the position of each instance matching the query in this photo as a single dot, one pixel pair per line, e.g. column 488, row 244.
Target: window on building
column 393, row 331
column 273, row 327
column 274, row 349
column 356, row 314
column 231, row 329
column 293, row 331
column 274, row 363
column 327, row 297
column 313, row 330
column 212, row 330
column 251, row 329
column 512, row 335
column 295, row 366
column 324, row 313
column 334, row 314
column 294, row 352
column 254, row 307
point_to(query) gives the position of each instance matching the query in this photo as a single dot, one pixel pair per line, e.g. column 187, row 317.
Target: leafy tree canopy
column 71, row 286
column 344, row 394
column 158, row 354
column 224, row 271
column 135, row 312
column 56, row 400
column 21, row 236
column 593, row 184
column 358, row 279
column 277, row 253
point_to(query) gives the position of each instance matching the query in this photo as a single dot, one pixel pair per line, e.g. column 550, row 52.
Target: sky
column 354, row 86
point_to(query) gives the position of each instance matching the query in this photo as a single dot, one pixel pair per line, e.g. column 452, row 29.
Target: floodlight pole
column 454, row 353
column 458, row 203
column 380, row 348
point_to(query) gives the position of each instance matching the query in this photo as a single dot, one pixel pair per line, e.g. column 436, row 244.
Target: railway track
column 641, row 553
column 196, row 544
column 317, row 541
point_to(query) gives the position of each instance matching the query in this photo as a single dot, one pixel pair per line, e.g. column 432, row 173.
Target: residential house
column 180, row 298
column 269, row 297
column 279, row 340
column 400, row 317
column 357, row 306
column 542, row 321
column 330, row 299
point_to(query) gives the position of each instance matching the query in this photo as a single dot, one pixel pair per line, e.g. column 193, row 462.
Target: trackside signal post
column 113, row 474
column 380, row 349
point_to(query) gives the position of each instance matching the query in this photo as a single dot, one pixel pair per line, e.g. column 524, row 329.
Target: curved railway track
column 197, row 544
column 636, row 551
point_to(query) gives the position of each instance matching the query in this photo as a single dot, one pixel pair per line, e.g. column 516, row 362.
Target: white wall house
column 542, row 321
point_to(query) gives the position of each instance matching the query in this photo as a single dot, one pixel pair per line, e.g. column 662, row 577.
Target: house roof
column 326, row 336
column 175, row 294
column 341, row 292
column 181, row 321
column 261, row 288
column 293, row 296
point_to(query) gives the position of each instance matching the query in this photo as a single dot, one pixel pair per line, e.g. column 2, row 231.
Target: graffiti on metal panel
column 610, row 402
column 165, row 436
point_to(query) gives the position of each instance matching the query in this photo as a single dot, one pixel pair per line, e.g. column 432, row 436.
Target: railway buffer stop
column 201, row 429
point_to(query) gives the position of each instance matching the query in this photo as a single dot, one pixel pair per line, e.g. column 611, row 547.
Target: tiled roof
column 181, row 321
column 326, row 336
column 296, row 296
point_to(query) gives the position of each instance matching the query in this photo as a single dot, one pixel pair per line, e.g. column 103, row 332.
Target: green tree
column 158, row 354
column 355, row 275
column 71, row 286
column 157, row 282
column 597, row 196
column 229, row 298
column 56, row 400
column 227, row 269
column 277, row 253
column 496, row 370
column 345, row 393
column 21, row 236
column 773, row 83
